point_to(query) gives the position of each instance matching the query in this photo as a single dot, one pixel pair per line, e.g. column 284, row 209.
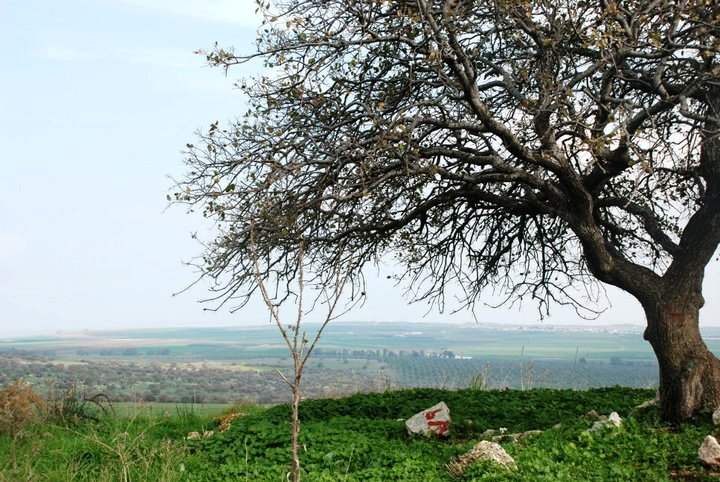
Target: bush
column 20, row 406
column 72, row 405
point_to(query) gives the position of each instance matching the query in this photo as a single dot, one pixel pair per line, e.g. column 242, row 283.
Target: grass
column 117, row 448
column 154, row 410
column 362, row 438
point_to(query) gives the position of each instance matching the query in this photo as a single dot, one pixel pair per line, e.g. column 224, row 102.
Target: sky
column 97, row 100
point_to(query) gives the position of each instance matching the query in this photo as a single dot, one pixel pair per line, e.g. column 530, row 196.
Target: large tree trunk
column 689, row 372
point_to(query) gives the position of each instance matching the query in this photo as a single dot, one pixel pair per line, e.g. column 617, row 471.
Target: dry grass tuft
column 20, row 407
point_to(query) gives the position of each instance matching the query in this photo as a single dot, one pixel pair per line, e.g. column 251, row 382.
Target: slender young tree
column 299, row 343
column 528, row 146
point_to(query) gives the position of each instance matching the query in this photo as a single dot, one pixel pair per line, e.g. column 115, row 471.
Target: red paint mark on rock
column 430, row 414
column 435, row 420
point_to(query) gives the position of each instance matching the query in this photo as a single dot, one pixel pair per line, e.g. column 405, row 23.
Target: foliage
column 516, row 410
column 360, row 438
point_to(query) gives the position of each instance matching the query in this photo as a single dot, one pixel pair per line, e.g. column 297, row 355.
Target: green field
column 253, row 343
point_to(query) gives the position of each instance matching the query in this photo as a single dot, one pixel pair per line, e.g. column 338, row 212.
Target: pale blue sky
column 97, row 100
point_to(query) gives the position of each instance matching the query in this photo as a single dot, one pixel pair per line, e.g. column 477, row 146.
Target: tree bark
column 295, row 428
column 689, row 372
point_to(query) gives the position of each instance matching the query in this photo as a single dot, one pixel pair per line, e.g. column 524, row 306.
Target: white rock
column 613, row 420
column 716, row 416
column 709, row 451
column 435, row 420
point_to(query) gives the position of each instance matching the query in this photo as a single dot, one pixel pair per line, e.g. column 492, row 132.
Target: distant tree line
column 380, row 354
column 196, row 383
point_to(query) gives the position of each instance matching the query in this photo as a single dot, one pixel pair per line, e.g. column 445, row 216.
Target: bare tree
column 528, row 146
column 300, row 346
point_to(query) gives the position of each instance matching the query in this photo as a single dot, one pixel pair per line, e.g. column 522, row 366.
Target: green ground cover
column 361, row 438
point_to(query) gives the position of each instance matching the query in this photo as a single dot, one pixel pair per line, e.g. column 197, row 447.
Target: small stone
column 613, row 420
column 529, row 433
column 510, row 437
column 709, row 452
column 487, row 433
column 483, row 450
column 557, row 426
column 435, row 420
column 647, row 404
column 716, row 416
column 592, row 414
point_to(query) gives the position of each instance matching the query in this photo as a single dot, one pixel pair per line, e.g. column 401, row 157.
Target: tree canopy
column 527, row 146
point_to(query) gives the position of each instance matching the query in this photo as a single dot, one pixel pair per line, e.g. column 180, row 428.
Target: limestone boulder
column 709, row 452
column 433, row 421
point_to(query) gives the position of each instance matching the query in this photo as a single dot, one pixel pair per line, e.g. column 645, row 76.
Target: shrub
column 20, row 406
column 72, row 405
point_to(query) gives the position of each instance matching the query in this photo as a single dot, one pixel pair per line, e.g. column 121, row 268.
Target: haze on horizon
column 97, row 101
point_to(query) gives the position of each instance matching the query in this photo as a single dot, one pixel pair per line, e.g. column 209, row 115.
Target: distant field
column 221, row 365
column 252, row 343
column 167, row 409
